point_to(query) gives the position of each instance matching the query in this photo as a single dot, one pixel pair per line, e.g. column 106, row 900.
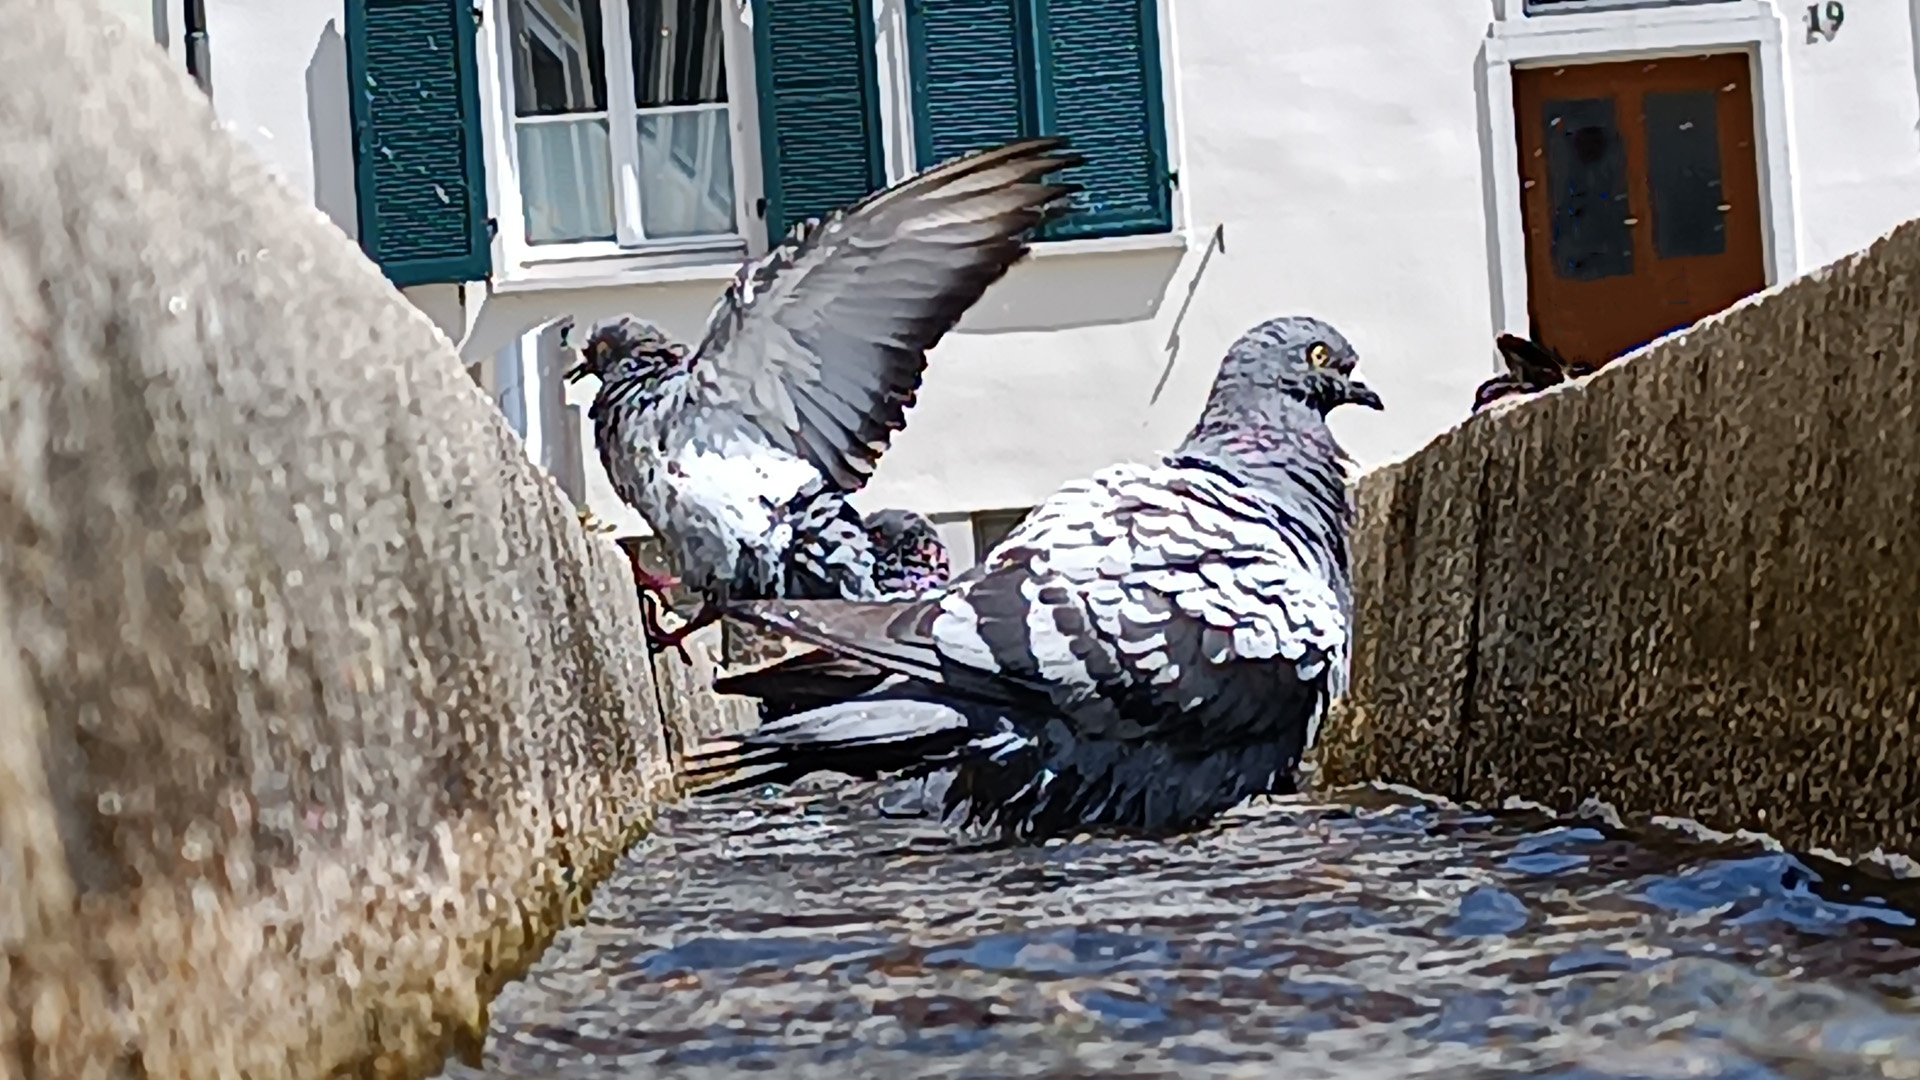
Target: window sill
column 1110, row 245
column 562, row 270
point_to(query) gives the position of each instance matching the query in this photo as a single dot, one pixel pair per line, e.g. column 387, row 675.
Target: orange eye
column 1318, row 354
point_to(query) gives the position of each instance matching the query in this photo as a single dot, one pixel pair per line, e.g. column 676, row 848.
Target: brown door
column 1640, row 194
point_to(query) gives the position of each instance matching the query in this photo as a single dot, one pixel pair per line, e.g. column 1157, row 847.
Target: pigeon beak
column 578, row 371
column 1360, row 393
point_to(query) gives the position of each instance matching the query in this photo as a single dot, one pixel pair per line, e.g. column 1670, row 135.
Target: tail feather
column 892, row 637
column 867, row 739
column 804, row 681
column 887, row 635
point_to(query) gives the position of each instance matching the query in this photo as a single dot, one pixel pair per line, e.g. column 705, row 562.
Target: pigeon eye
column 1318, row 354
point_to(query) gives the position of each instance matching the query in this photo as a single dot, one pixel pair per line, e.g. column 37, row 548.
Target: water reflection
column 808, row 936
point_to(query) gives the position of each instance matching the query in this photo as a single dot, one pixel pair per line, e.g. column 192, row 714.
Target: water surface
column 1378, row 935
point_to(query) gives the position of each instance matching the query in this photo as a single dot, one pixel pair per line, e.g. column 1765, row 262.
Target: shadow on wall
column 330, row 128
column 1069, row 291
column 679, row 308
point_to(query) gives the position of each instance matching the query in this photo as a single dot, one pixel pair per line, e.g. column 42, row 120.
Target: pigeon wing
column 1533, row 364
column 822, row 343
column 1153, row 596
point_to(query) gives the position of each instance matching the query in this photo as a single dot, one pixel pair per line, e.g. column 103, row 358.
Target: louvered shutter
column 819, row 107
column 971, row 62
column 414, row 96
column 1099, row 85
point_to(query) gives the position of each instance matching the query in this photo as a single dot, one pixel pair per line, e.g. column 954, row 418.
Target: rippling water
column 1376, row 935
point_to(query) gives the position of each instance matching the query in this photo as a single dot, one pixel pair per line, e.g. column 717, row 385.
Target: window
column 988, row 71
column 621, row 122
column 992, row 526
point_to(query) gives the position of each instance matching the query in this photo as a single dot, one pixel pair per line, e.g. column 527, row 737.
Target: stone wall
column 1688, row 586
column 318, row 709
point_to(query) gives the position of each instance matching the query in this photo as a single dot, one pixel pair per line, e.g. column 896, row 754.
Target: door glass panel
column 1587, row 190
column 1683, row 171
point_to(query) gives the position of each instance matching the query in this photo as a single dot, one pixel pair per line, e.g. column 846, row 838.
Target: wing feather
column 823, row 342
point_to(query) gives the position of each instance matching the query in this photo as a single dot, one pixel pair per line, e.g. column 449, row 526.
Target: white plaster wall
column 1856, row 126
column 280, row 84
column 140, row 15
column 1341, row 157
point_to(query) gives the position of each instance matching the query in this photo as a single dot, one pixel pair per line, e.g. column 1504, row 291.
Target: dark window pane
column 558, row 65
column 1587, row 189
column 1683, row 169
column 678, row 57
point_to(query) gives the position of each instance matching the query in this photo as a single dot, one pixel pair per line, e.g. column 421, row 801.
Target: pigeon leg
column 659, row 637
column 708, row 614
column 653, row 598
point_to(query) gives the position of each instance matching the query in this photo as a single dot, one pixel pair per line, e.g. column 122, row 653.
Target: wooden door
column 1640, row 194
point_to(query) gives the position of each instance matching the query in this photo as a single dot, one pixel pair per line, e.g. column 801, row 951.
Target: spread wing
column 822, row 343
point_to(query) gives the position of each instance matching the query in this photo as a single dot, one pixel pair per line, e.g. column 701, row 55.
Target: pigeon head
column 908, row 554
column 1295, row 357
column 626, row 348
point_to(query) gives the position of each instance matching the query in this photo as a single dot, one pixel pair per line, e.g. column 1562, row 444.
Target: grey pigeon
column 740, row 453
column 909, row 560
column 1150, row 647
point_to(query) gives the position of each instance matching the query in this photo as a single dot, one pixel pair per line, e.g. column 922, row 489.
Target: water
column 803, row 936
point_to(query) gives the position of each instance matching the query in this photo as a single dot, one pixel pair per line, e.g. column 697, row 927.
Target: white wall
column 1342, row 156
column 1338, row 146
column 139, row 15
column 280, row 83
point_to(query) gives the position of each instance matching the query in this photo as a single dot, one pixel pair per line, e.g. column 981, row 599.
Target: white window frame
column 523, row 267
column 1519, row 40
column 629, row 257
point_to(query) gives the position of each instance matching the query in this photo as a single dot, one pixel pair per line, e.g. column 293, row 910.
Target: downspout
column 199, row 61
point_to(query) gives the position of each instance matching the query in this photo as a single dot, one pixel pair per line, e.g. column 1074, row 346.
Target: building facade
column 1422, row 173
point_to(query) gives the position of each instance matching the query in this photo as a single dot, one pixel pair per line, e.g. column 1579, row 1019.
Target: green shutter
column 414, row 94
column 819, row 107
column 968, row 59
column 1099, row 85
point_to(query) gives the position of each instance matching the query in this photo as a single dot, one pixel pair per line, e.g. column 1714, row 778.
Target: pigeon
column 909, row 560
column 1151, row 646
column 1531, row 368
column 741, row 453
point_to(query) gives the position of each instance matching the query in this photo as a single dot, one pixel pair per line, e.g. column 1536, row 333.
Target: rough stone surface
column 318, row 710
column 1686, row 586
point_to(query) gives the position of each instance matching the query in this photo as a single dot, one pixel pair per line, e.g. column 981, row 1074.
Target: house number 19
column 1823, row 20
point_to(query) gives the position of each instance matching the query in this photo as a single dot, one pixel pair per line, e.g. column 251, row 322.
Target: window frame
column 1517, row 39
column 519, row 259
column 1534, row 9
column 520, row 266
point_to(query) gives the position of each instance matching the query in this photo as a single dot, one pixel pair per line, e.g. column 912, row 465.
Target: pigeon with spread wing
column 740, row 453
column 1151, row 646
